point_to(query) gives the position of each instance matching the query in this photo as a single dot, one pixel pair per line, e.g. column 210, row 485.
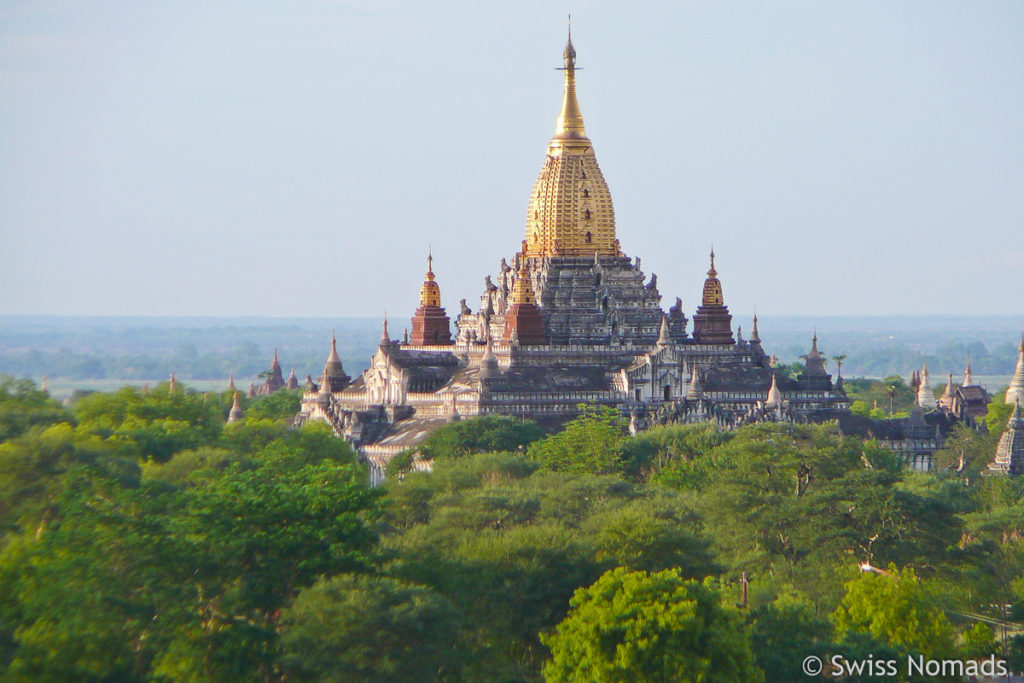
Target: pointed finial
column 570, row 53
column 711, row 271
column 171, row 385
column 754, row 335
column 333, row 355
column 231, row 381
column 236, row 410
column 384, row 337
column 663, row 338
column 774, row 395
column 570, row 120
column 694, row 391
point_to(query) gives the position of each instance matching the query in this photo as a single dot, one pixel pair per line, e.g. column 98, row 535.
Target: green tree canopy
column 896, row 608
column 635, row 626
column 595, row 442
column 484, row 434
column 367, row 628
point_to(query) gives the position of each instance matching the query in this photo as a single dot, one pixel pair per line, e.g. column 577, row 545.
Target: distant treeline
column 243, row 361
column 140, row 348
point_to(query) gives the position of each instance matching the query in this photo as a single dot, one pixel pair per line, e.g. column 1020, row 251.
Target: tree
column 635, row 626
column 153, row 424
column 367, row 628
column 783, row 632
column 281, row 405
column 22, row 406
column 978, row 641
column 484, row 434
column 594, row 442
column 897, row 608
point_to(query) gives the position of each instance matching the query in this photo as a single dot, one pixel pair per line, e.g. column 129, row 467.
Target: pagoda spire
column 755, row 337
column 968, row 374
column 774, row 399
column 663, row 338
column 570, row 119
column 333, row 369
column 925, row 395
column 236, row 411
column 815, row 362
column 695, row 391
column 488, row 361
column 324, row 395
column 524, row 324
column 1016, row 391
column 712, row 323
column 231, row 381
column 333, row 357
column 430, row 323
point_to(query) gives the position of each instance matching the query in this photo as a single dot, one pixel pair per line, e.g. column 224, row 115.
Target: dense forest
column 143, row 539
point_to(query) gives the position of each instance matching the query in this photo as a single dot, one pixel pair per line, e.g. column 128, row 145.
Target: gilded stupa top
column 430, row 292
column 712, row 287
column 570, row 212
column 522, row 290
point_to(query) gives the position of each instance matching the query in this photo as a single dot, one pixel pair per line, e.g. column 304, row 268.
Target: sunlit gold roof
column 522, row 290
column 430, row 293
column 570, row 212
column 712, row 287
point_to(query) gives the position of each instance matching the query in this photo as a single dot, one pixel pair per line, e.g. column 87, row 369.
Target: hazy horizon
column 296, row 160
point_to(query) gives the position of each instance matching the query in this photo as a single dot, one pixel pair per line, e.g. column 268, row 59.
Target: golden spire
column 430, row 293
column 522, row 290
column 570, row 211
column 570, row 120
column 712, row 287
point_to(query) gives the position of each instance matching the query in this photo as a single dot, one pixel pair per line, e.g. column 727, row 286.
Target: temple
column 568, row 319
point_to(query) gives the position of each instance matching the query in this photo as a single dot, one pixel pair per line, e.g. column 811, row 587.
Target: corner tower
column 712, row 323
column 430, row 323
column 570, row 212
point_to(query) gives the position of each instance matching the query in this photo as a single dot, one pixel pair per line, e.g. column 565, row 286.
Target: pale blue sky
column 297, row 158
